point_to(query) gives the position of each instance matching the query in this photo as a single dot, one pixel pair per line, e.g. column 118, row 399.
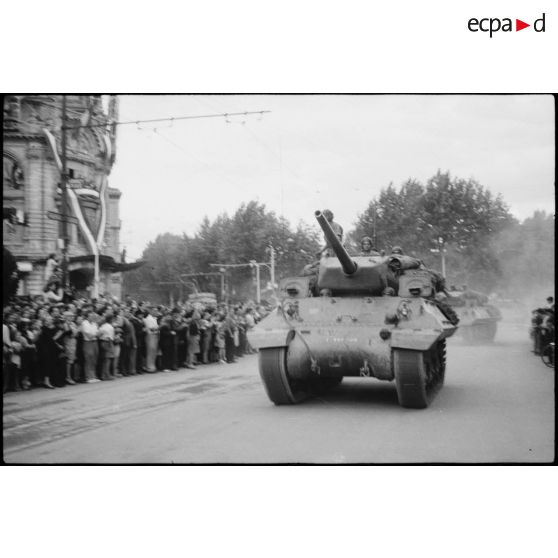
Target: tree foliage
column 485, row 246
column 246, row 235
column 461, row 214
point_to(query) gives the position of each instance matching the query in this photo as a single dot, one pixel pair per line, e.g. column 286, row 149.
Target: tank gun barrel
column 347, row 263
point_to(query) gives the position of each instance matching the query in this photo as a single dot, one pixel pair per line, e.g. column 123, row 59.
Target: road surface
column 497, row 406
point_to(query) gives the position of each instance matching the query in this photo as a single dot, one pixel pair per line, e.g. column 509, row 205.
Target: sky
column 320, row 151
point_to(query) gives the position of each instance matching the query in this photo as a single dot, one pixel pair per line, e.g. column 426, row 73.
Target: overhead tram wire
column 168, row 119
column 207, row 166
column 278, row 155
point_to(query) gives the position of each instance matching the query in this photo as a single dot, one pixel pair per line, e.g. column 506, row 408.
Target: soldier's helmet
column 397, row 250
column 366, row 239
column 328, row 214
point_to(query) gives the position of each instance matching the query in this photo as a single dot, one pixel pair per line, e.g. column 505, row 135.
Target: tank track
column 419, row 375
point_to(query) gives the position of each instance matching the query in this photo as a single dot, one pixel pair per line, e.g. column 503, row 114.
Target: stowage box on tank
column 368, row 316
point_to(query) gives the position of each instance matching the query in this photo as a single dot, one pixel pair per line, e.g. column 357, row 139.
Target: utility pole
column 258, row 287
column 65, row 236
column 272, row 265
column 374, row 229
column 222, row 272
column 252, row 264
column 442, row 251
column 443, row 254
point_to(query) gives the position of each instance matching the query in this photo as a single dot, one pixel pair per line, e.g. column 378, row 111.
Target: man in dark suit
column 129, row 345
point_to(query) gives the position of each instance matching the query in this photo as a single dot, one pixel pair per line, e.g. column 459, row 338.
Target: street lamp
column 255, row 264
column 222, row 271
column 272, row 264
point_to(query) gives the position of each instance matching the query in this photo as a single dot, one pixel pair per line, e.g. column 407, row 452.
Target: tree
column 457, row 215
column 166, row 258
column 246, row 235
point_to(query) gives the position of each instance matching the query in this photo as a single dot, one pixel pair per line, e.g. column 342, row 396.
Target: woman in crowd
column 219, row 342
column 13, row 368
column 48, row 350
column 30, row 331
column 193, row 343
column 167, row 340
column 206, row 333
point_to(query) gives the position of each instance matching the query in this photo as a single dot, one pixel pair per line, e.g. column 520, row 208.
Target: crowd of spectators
column 51, row 343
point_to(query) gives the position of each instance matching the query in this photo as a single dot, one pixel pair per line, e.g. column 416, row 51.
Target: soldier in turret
column 367, row 247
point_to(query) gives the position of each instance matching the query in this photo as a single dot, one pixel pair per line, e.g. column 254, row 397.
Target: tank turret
column 344, row 275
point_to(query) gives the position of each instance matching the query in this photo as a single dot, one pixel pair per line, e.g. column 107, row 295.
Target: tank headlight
column 385, row 334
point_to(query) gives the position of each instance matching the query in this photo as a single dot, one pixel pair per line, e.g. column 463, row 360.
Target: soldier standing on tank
column 311, row 270
column 337, row 229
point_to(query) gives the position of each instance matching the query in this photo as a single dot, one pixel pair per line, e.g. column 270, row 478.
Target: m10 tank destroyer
column 478, row 320
column 367, row 316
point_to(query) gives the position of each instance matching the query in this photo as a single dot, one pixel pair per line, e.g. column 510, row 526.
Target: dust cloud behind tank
column 359, row 316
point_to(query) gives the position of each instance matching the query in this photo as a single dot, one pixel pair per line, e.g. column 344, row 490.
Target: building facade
column 33, row 197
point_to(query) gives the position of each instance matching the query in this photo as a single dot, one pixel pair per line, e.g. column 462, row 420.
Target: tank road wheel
column 280, row 389
column 419, row 375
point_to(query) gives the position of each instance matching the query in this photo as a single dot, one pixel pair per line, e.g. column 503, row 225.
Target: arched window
column 13, row 202
column 12, row 175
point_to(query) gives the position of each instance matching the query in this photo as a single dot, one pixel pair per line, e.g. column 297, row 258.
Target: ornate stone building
column 32, row 194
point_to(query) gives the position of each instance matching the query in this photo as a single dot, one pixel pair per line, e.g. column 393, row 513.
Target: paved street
column 497, row 406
